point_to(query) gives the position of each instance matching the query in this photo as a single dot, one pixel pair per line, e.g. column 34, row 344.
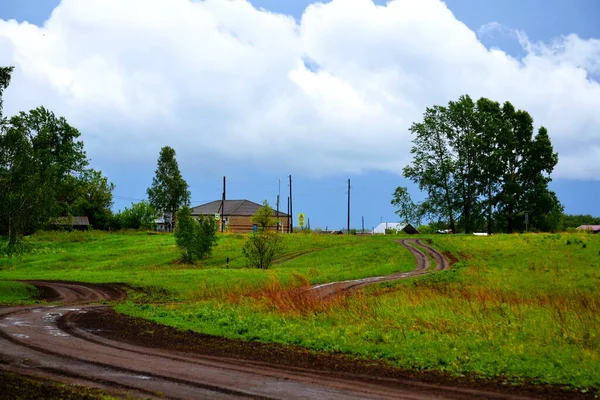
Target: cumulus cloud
column 333, row 93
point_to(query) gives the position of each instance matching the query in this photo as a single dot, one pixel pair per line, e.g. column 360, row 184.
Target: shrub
column 262, row 248
column 195, row 238
column 140, row 216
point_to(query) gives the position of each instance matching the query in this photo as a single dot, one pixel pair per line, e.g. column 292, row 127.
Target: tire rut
column 47, row 338
column 334, row 289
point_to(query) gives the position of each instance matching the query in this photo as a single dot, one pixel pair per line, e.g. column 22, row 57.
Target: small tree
column 264, row 216
column 169, row 191
column 195, row 238
column 207, row 238
column 262, row 248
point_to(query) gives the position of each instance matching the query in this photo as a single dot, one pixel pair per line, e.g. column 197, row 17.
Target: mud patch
column 108, row 324
column 13, row 386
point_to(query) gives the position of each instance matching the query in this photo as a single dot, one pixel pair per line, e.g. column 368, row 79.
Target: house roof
column 232, row 207
column 589, row 227
column 390, row 225
column 74, row 221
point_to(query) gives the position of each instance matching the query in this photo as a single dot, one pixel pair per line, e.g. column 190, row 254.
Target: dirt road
column 89, row 344
column 423, row 267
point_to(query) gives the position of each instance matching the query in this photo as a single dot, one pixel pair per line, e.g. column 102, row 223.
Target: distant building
column 80, row 223
column 590, row 228
column 162, row 224
column 395, row 226
column 237, row 215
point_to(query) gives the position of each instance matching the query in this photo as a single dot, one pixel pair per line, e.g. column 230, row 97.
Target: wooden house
column 237, row 214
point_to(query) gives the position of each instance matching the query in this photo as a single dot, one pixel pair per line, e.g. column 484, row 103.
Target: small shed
column 590, row 228
column 395, row 226
column 72, row 222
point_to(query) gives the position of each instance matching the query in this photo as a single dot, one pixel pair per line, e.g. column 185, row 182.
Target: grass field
column 523, row 307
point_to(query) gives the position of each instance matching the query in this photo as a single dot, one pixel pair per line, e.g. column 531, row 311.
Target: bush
column 195, row 238
column 262, row 248
column 140, row 216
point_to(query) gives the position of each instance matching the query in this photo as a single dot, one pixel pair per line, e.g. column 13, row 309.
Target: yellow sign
column 217, row 216
column 301, row 219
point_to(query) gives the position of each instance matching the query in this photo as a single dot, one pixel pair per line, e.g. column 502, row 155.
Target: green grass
column 16, row 293
column 152, row 261
column 523, row 307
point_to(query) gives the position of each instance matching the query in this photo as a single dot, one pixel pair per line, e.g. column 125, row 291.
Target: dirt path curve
column 47, row 341
column 327, row 290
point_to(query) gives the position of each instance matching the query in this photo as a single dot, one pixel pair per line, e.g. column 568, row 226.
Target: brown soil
column 109, row 324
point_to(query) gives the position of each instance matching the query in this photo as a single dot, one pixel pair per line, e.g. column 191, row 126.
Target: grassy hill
column 522, row 307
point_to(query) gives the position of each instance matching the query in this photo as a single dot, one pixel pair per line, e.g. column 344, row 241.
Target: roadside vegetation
column 13, row 386
column 16, row 293
column 522, row 307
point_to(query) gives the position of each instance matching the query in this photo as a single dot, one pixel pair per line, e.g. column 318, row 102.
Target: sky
column 325, row 92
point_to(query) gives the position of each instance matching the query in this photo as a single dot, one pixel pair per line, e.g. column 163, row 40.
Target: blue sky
column 322, row 197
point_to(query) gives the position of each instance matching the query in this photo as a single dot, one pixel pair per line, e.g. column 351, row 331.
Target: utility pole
column 223, row 208
column 278, row 193
column 277, row 213
column 291, row 209
column 309, row 225
column 363, row 224
column 289, row 215
column 348, row 206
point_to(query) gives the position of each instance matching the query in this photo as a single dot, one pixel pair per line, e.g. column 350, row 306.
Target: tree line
column 482, row 168
column 45, row 176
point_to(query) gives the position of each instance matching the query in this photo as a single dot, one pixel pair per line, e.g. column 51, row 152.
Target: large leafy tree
column 407, row 210
column 489, row 123
column 433, row 166
column 526, row 163
column 39, row 152
column 463, row 140
column 478, row 159
column 169, row 191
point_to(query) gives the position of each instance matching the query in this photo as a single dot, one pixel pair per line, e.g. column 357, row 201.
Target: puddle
column 52, row 316
column 57, row 333
column 20, row 336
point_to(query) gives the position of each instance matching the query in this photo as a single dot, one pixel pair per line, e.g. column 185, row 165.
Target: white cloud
column 223, row 82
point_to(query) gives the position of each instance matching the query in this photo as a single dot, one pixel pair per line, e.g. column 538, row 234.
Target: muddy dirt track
column 423, row 267
column 79, row 342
